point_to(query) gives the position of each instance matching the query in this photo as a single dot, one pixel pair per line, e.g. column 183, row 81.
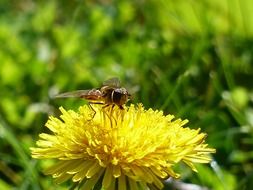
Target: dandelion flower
column 128, row 149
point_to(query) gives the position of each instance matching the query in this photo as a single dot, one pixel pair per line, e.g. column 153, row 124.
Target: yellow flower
column 128, row 149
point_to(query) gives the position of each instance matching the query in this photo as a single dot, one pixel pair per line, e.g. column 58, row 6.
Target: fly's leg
column 106, row 114
column 94, row 111
column 109, row 113
column 122, row 113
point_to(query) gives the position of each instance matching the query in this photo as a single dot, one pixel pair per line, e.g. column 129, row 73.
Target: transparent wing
column 112, row 82
column 93, row 95
column 73, row 94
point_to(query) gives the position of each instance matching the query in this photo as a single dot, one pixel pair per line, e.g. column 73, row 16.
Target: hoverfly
column 110, row 93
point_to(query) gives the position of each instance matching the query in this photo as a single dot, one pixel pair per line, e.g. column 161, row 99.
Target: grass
column 191, row 59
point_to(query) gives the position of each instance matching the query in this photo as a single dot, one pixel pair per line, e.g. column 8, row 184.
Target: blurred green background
column 190, row 58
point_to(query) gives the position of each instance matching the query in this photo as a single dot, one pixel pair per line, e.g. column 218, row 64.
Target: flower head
column 126, row 149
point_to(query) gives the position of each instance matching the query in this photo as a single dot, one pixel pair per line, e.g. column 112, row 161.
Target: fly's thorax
column 107, row 94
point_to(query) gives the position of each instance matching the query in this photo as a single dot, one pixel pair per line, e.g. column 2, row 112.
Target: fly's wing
column 73, row 94
column 112, row 82
column 92, row 94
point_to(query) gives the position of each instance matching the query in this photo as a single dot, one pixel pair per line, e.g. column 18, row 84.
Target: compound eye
column 116, row 96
